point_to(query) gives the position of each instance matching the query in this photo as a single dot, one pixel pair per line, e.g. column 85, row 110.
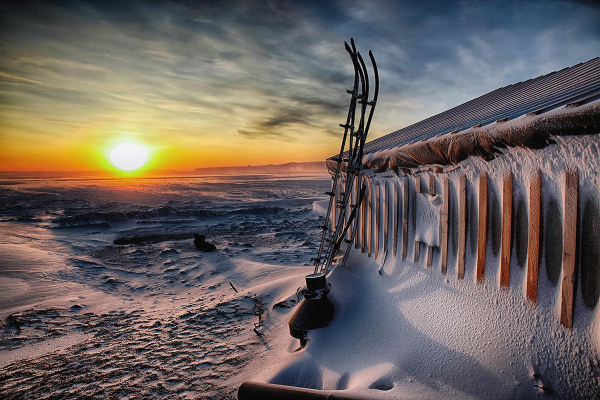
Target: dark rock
column 201, row 244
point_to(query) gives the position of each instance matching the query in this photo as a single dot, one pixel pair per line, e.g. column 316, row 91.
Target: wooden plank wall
column 567, row 299
column 533, row 243
column 396, row 206
column 386, row 215
column 444, row 223
column 417, row 250
column 462, row 226
column 395, row 196
column 482, row 229
column 377, row 223
column 505, row 250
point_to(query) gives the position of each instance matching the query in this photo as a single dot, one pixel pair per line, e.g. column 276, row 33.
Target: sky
column 226, row 83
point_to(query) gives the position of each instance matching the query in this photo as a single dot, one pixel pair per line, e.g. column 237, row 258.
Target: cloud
column 272, row 69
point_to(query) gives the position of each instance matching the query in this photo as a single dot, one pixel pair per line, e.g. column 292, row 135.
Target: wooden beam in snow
column 377, row 223
column 386, row 216
column 444, row 225
column 533, row 244
column 370, row 220
column 397, row 206
column 363, row 221
column 405, row 196
column 462, row 226
column 429, row 255
column 417, row 251
column 482, row 228
column 507, row 200
column 569, row 248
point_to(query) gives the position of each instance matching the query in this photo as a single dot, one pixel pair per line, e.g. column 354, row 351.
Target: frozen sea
column 102, row 293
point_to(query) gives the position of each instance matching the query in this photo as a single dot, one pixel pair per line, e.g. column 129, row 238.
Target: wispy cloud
column 240, row 70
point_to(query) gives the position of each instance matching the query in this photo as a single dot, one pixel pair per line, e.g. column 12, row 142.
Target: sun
column 128, row 156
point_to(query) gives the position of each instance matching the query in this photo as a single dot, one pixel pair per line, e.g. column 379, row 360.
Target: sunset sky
column 218, row 83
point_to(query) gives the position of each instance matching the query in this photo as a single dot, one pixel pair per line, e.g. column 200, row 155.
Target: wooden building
column 508, row 180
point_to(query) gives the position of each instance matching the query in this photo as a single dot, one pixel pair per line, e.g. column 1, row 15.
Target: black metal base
column 315, row 311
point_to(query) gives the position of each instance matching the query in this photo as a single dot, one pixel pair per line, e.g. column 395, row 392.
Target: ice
column 103, row 292
column 403, row 330
column 153, row 317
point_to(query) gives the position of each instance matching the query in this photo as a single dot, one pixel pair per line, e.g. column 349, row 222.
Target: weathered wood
column 569, row 248
column 417, row 250
column 444, row 222
column 482, row 227
column 431, row 184
column 533, row 244
column 363, row 222
column 347, row 208
column 396, row 204
column 507, row 199
column 370, row 220
column 356, row 191
column 386, row 216
column 377, row 221
column 405, row 196
column 334, row 212
column 429, row 256
column 462, row 226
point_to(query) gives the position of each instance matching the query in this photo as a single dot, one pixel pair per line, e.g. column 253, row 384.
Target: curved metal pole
column 348, row 127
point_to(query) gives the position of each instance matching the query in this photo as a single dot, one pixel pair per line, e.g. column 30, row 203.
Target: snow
column 427, row 218
column 159, row 319
column 402, row 330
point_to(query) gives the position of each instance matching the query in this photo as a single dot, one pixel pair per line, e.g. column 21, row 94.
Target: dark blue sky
column 227, row 76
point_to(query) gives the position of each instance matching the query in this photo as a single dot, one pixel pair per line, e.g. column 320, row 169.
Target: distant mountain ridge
column 289, row 168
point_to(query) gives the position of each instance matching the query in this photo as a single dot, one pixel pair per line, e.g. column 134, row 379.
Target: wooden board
column 363, row 221
column 334, row 212
column 431, row 184
column 370, row 219
column 444, row 223
column 533, row 243
column 386, row 215
column 431, row 189
column 482, row 226
column 396, row 207
column 417, row 251
column 377, row 220
column 462, row 226
column 429, row 256
column 590, row 253
column 507, row 200
column 356, row 191
column 405, row 196
column 569, row 248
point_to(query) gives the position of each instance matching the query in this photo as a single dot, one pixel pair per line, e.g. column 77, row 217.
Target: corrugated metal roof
column 532, row 96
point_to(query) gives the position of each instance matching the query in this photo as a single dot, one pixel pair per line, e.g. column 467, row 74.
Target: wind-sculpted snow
column 132, row 353
column 102, row 292
column 166, row 212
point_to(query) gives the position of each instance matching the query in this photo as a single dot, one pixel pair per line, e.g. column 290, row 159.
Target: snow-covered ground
column 153, row 317
column 404, row 331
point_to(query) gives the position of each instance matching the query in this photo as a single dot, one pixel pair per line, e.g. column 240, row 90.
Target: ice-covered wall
column 457, row 315
column 530, row 130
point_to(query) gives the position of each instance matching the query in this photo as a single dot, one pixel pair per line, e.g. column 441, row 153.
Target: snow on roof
column 576, row 84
